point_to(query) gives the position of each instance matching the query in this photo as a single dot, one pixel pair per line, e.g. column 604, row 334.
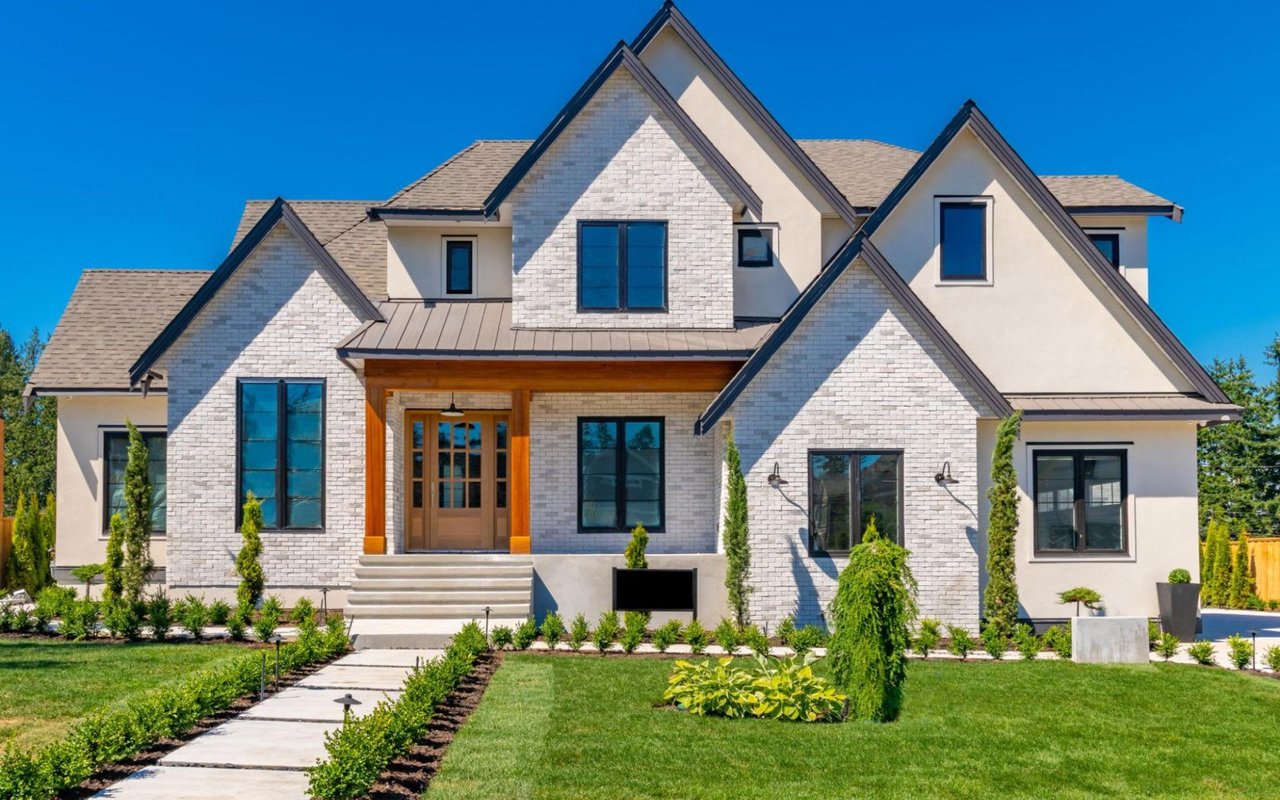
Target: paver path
column 261, row 754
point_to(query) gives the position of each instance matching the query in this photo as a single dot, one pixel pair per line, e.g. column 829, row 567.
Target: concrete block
column 1110, row 640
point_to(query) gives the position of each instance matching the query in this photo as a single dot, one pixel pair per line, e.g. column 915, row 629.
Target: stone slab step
column 410, row 634
column 460, row 559
column 364, row 598
column 464, row 613
column 384, row 571
column 451, row 584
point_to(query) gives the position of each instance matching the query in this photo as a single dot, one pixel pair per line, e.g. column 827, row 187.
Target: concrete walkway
column 261, row 754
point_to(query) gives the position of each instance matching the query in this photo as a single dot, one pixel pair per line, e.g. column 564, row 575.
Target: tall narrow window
column 847, row 489
column 620, row 473
column 962, row 234
column 1080, row 501
column 459, row 266
column 281, row 451
column 622, row 266
column 1109, row 245
column 115, row 457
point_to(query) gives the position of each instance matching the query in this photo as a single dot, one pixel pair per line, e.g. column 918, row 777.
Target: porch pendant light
column 452, row 410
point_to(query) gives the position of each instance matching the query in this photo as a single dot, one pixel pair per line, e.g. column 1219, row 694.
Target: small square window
column 962, row 236
column 755, row 247
column 1109, row 245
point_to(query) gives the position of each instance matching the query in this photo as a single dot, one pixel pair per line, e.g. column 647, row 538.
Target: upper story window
column 280, row 450
column 115, row 457
column 755, row 246
column 1080, row 501
column 459, row 266
column 964, row 227
column 846, row 489
column 622, row 266
column 1109, row 245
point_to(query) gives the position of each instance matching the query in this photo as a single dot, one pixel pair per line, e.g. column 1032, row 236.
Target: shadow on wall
column 809, row 610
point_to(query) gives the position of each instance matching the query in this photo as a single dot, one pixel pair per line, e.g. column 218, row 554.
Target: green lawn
column 589, row 727
column 46, row 685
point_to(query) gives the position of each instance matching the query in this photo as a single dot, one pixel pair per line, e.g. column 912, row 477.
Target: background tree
column 137, row 518
column 23, row 570
column 248, row 560
column 736, row 547
column 1217, row 572
column 30, row 432
column 1000, row 602
column 1242, row 588
column 1239, row 476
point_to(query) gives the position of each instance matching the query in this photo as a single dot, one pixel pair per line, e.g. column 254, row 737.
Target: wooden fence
column 1264, row 560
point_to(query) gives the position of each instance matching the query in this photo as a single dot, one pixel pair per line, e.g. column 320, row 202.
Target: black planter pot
column 1179, row 608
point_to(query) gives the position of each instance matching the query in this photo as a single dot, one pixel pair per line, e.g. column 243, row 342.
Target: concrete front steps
column 421, row 600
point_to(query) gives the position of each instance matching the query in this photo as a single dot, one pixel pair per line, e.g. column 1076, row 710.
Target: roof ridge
column 858, row 139
column 357, row 202
column 1089, row 175
column 141, row 270
column 439, row 167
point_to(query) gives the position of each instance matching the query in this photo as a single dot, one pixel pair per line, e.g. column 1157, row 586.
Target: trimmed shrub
column 727, row 635
column 80, row 620
column 193, row 614
column 552, row 629
column 787, row 629
column 633, row 633
column 961, row 641
column 51, row 603
column 1058, row 639
column 269, row 616
column 219, row 612
column 755, row 639
column 666, row 635
column 359, row 751
column 1272, row 658
column 160, row 616
column 85, row 573
column 994, row 643
column 304, row 609
column 1026, row 641
column 249, row 560
column 873, row 610
column 238, row 622
column 695, row 636
column 1201, row 652
column 1081, row 596
column 125, row 619
column 808, row 639
column 1239, row 651
column 606, row 632
column 525, row 634
column 1179, row 575
column 737, row 544
column 579, row 632
column 1000, row 600
column 1153, row 633
column 1167, row 645
column 928, row 637
column 502, row 637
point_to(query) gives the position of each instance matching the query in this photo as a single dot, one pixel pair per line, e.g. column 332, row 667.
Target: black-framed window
column 115, row 458
column 620, row 473
column 1109, row 245
column 846, row 489
column 1080, row 501
column 280, row 450
column 962, row 234
column 459, row 266
column 755, row 247
column 622, row 266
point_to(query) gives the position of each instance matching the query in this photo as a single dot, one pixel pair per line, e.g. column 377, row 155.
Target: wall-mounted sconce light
column 775, row 479
column 943, row 477
column 452, row 410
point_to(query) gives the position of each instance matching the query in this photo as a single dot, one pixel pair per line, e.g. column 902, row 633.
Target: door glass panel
column 417, row 435
column 501, row 429
column 476, row 439
column 442, row 435
column 417, row 465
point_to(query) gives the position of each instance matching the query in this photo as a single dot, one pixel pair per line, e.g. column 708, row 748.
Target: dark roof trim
column 622, row 56
column 858, row 245
column 442, row 214
column 671, row 15
column 1230, row 414
column 536, row 355
column 278, row 212
column 31, row 390
column 1173, row 212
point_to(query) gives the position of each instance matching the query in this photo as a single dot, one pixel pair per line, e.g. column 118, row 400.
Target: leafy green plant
column 873, row 610
column 219, row 612
column 606, row 632
column 1026, row 641
column 502, row 637
column 23, row 621
column 303, row 609
column 1153, row 633
column 1272, row 658
column 160, row 616
column 632, row 633
column 525, row 634
column 727, row 635
column 552, row 629
column 994, row 642
column 666, row 635
column 786, row 629
column 928, row 637
column 1000, row 600
column 249, row 560
column 269, row 616
column 807, row 639
column 961, row 641
column 579, row 632
column 1058, row 639
column 755, row 639
column 85, row 573
column 193, row 614
column 711, row 691
column 785, row 689
column 80, row 620
column 1167, row 645
column 1239, row 651
column 1081, row 596
column 695, row 636
column 1179, row 575
column 125, row 619
column 736, row 532
column 1201, row 652
column 238, row 622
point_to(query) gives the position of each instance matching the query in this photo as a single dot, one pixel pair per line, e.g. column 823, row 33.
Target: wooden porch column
column 375, row 468
column 518, row 449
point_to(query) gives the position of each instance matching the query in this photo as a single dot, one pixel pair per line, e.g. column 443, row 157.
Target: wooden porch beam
column 518, row 449
column 550, row 376
column 375, row 470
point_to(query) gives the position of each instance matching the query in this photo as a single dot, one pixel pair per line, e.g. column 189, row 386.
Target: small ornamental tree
column 1081, row 596
column 636, row 547
column 873, row 611
column 48, row 526
column 1241, row 589
column 22, row 570
column 736, row 548
column 137, row 518
column 112, row 568
column 1001, row 598
column 248, row 560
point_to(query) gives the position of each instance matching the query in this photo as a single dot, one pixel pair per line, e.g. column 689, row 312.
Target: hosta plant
column 704, row 689
column 787, row 689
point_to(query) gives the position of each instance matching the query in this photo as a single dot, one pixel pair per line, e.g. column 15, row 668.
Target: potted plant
column 1179, row 604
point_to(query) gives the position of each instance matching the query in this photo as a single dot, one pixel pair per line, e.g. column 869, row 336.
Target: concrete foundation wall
column 573, row 584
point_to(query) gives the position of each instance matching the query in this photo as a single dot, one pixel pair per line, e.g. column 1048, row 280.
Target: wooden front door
column 456, row 482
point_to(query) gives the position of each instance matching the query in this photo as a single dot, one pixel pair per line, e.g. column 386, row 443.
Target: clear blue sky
column 131, row 134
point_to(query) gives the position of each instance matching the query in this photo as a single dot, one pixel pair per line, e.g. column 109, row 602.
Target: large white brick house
column 537, row 344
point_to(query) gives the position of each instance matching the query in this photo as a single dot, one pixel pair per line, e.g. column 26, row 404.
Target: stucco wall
column 622, row 159
column 415, row 255
column 1161, row 505
column 1133, row 245
column 277, row 317
column 860, row 374
column 82, row 420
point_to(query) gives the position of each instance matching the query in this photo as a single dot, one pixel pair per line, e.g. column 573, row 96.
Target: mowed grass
column 589, row 727
column 47, row 685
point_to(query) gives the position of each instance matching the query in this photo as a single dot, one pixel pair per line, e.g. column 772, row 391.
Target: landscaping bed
column 597, row 727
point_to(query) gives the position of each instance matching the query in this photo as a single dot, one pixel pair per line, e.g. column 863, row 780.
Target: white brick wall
column 621, row 158
column 277, row 317
column 691, row 472
column 859, row 373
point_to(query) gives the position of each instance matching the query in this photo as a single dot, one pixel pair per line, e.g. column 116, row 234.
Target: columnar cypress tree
column 248, row 565
column 137, row 518
column 635, row 548
column 48, row 540
column 112, row 569
column 736, row 547
column 1000, row 602
column 20, row 572
column 1218, row 548
column 1242, row 588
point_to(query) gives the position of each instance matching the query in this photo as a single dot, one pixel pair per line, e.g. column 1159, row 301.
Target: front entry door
column 456, row 476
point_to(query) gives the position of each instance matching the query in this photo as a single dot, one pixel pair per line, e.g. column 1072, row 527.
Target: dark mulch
column 119, row 770
column 407, row 777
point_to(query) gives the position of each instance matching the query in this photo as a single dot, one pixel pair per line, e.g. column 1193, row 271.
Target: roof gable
column 622, row 57
column 279, row 213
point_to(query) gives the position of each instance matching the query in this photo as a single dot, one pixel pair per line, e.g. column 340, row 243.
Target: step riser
column 442, row 585
column 436, row 598
column 442, row 571
column 461, row 559
column 459, row 612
